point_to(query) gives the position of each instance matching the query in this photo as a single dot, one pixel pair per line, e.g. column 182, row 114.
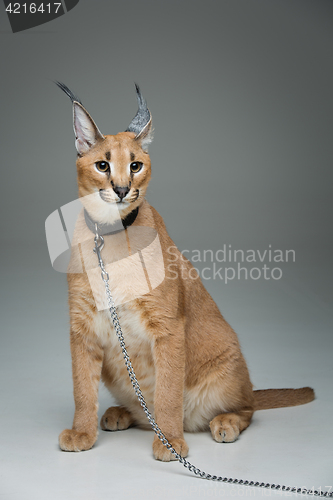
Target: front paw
column 72, row 440
column 163, row 454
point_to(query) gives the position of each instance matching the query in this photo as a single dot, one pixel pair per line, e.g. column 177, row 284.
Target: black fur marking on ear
column 67, row 91
column 132, row 156
column 108, row 155
column 142, row 117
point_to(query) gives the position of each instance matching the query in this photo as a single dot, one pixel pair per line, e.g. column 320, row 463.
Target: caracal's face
column 116, row 172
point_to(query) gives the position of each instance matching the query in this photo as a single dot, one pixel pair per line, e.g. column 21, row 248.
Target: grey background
column 241, row 98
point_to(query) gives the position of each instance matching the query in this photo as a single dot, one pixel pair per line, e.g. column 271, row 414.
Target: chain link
column 99, row 243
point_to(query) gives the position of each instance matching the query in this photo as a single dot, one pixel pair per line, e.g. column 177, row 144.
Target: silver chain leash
column 99, row 243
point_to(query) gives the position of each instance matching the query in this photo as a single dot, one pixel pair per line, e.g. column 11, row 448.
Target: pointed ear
column 142, row 123
column 146, row 136
column 86, row 130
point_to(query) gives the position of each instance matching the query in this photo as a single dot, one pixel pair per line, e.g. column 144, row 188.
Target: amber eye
column 102, row 166
column 136, row 166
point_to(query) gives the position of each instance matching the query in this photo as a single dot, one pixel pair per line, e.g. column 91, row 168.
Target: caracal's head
column 114, row 170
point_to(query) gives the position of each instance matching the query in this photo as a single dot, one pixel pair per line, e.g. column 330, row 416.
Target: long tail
column 279, row 398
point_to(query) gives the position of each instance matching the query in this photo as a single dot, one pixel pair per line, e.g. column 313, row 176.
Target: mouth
column 109, row 196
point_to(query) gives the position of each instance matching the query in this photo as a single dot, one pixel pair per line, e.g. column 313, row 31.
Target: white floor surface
column 286, row 339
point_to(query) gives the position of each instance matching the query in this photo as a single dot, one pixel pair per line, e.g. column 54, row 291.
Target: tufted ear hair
column 85, row 129
column 141, row 124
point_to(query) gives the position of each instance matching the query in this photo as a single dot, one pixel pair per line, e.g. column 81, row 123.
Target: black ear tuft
column 141, row 101
column 67, row 91
column 86, row 130
column 142, row 117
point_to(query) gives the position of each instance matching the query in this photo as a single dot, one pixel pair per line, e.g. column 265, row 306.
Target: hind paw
column 224, row 429
column 116, row 418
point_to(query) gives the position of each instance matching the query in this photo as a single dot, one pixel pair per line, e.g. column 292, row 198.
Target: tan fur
column 279, row 398
column 186, row 357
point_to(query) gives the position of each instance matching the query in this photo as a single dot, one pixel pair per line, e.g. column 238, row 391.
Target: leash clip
column 99, row 240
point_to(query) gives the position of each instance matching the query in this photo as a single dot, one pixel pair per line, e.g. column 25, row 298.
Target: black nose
column 121, row 191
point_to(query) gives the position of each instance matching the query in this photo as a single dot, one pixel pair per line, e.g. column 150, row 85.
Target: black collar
column 105, row 229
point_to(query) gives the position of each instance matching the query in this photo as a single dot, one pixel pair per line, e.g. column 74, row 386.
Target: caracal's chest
column 126, row 281
column 139, row 347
